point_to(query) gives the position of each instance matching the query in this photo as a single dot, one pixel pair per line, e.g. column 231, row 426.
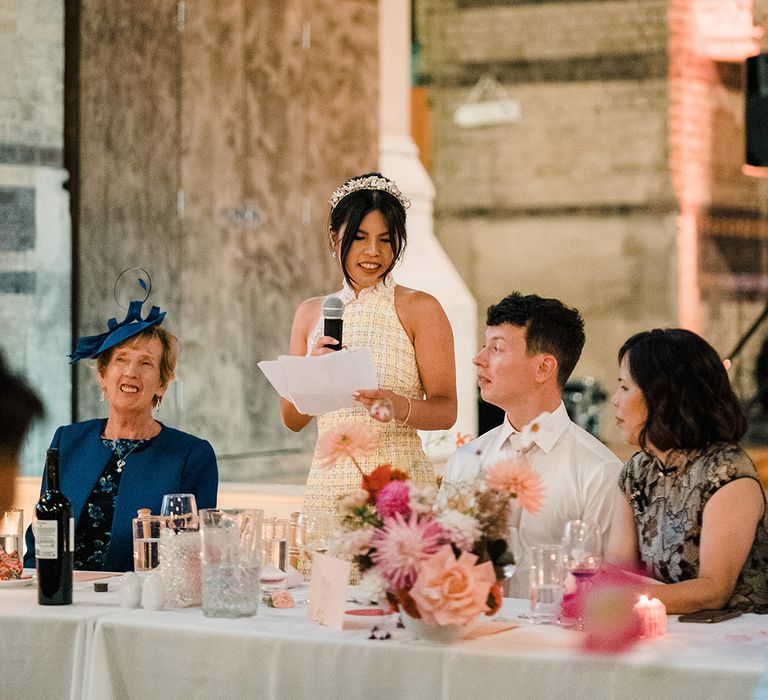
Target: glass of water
column 146, row 542
column 548, row 570
column 231, row 561
column 315, row 533
column 275, row 544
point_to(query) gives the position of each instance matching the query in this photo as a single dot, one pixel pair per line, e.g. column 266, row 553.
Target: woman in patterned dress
column 691, row 508
column 407, row 331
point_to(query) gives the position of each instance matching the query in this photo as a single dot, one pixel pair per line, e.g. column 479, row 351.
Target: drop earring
column 102, row 397
column 333, row 254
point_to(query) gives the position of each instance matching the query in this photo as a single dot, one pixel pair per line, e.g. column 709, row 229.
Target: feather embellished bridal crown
column 372, row 182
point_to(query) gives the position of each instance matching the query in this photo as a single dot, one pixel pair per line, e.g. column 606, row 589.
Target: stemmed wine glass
column 583, row 553
column 180, row 509
column 513, row 545
column 513, row 542
column 313, row 534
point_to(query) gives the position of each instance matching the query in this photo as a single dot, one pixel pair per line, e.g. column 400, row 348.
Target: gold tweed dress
column 370, row 321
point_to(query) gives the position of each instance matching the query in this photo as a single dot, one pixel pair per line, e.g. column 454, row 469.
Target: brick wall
column 575, row 199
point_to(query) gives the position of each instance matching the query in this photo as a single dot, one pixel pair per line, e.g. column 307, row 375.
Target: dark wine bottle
column 54, row 531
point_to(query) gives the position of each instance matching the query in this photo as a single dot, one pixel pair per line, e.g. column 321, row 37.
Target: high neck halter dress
column 371, row 321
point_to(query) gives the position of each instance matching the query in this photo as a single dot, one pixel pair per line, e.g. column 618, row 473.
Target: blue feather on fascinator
column 91, row 346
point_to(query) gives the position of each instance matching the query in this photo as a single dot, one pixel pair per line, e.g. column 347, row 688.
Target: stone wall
column 202, row 147
column 207, row 153
column 35, row 258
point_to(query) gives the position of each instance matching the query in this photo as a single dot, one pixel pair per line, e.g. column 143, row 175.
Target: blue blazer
column 174, row 462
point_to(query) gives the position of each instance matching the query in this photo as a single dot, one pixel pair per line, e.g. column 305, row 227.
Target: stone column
column 425, row 264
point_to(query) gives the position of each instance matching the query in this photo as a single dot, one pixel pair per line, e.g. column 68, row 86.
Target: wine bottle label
column 46, row 538
column 71, row 543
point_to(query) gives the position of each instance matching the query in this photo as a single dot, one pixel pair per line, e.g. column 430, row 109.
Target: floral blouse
column 94, row 528
column 668, row 501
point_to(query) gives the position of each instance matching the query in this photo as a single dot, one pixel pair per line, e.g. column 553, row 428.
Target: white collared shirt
column 578, row 473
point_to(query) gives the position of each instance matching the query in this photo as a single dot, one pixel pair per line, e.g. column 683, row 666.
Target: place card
column 328, row 590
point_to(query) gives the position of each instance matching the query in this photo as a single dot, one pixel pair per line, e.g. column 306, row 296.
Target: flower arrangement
column 438, row 560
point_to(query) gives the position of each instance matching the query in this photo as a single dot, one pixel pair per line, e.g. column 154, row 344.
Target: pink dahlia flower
column 451, row 591
column 402, row 545
column 394, row 498
column 517, row 477
column 349, row 440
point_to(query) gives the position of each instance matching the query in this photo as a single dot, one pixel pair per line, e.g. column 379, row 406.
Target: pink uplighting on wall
column 700, row 33
column 724, row 29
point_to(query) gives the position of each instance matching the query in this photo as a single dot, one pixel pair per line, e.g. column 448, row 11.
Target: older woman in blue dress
column 111, row 468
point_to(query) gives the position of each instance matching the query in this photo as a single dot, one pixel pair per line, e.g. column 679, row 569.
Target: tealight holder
column 179, row 567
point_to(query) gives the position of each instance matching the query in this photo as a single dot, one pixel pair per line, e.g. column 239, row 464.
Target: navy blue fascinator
column 91, row 346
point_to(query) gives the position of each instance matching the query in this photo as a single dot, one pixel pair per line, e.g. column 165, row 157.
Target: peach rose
column 450, row 591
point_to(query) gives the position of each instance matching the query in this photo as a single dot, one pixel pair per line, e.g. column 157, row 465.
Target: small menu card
column 328, row 590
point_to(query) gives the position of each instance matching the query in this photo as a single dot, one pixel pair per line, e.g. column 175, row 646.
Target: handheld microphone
column 333, row 311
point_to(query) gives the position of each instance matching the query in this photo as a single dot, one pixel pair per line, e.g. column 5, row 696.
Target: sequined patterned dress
column 370, row 321
column 668, row 501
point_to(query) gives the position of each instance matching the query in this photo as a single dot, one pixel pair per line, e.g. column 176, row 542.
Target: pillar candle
column 653, row 617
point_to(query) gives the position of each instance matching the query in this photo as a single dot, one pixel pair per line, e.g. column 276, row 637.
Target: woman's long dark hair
column 352, row 209
column 686, row 390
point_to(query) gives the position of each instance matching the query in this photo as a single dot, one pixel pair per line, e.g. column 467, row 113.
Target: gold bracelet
column 407, row 415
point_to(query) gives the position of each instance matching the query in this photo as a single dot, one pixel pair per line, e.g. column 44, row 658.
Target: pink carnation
column 451, row 591
column 394, row 498
column 516, row 476
column 402, row 545
column 350, row 440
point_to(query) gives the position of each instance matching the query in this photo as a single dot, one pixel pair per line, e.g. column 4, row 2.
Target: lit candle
column 653, row 617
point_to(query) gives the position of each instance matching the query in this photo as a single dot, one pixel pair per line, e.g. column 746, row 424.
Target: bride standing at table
column 407, row 331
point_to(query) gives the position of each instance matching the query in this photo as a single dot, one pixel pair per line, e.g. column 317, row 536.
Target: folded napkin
column 271, row 574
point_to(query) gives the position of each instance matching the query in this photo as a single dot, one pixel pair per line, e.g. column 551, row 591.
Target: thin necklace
column 121, row 460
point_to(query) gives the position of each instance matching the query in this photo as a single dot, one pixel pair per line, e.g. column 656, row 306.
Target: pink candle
column 653, row 617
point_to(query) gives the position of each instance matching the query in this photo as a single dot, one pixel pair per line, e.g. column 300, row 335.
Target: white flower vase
column 443, row 634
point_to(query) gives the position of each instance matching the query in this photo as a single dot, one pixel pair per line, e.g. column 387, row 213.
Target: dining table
column 96, row 649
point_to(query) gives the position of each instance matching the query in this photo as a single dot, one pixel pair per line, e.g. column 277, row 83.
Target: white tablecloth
column 43, row 649
column 93, row 650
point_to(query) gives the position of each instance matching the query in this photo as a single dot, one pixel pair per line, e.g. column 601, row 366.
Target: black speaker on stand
column 756, row 113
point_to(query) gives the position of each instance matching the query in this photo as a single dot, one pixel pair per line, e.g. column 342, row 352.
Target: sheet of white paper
column 273, row 370
column 317, row 385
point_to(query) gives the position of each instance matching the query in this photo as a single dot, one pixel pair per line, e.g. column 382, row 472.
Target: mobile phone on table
column 709, row 615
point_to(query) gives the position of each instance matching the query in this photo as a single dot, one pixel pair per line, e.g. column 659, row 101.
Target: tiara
column 372, row 182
